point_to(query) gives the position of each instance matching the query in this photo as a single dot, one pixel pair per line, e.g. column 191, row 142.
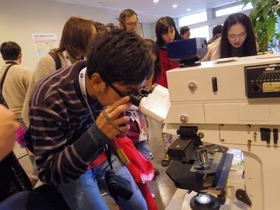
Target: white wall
column 20, row 18
column 148, row 30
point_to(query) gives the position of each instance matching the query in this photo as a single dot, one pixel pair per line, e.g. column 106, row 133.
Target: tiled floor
column 162, row 186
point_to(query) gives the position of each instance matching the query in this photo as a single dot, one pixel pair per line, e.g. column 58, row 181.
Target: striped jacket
column 62, row 131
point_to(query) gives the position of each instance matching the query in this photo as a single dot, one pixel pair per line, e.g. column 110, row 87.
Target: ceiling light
column 189, row 9
column 155, row 1
column 174, row 5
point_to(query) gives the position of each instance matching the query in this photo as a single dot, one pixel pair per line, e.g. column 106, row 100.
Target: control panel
column 262, row 81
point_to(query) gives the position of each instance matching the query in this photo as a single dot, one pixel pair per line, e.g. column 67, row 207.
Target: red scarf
column 139, row 166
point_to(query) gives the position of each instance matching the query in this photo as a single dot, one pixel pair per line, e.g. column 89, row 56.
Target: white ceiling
column 148, row 11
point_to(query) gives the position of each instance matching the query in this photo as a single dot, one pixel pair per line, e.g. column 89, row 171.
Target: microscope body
column 234, row 103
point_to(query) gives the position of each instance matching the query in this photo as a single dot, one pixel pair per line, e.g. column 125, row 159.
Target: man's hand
column 111, row 121
column 8, row 128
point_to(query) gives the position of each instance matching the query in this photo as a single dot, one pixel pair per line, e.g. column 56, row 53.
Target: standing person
column 154, row 49
column 14, row 77
column 138, row 131
column 237, row 40
column 217, row 33
column 128, row 20
column 185, row 32
column 166, row 32
column 69, row 128
column 75, row 37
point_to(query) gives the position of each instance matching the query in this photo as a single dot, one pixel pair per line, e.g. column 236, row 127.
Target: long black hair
column 249, row 45
column 162, row 26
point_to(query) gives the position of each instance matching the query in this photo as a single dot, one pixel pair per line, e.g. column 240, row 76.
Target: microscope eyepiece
column 137, row 97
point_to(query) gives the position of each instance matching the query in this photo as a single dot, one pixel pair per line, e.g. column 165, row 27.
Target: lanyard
column 82, row 83
column 66, row 56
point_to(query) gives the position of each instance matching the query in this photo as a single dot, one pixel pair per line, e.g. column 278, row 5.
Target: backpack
column 2, row 100
column 56, row 59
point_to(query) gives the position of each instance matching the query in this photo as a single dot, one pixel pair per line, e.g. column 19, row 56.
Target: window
column 200, row 32
column 192, row 19
column 231, row 10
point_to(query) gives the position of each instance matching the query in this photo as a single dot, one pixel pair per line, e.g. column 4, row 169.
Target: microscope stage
column 180, row 173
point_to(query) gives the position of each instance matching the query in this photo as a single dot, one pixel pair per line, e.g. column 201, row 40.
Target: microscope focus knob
column 192, row 86
column 221, row 198
column 200, row 135
column 184, row 118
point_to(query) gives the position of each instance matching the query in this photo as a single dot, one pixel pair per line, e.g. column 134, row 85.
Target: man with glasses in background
column 128, row 20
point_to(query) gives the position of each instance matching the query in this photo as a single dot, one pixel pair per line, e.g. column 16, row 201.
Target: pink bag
column 20, row 137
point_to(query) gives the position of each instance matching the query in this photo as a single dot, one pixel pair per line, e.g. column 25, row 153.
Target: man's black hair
column 120, row 56
column 10, row 50
column 217, row 30
column 184, row 29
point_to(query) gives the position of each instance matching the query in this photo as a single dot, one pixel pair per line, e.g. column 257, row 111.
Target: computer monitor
column 187, row 51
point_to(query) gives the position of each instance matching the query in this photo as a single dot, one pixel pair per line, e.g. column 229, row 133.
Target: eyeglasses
column 132, row 23
column 121, row 94
column 116, row 90
column 234, row 36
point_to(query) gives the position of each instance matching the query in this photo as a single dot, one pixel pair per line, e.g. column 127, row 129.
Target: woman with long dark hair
column 166, row 32
column 238, row 39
